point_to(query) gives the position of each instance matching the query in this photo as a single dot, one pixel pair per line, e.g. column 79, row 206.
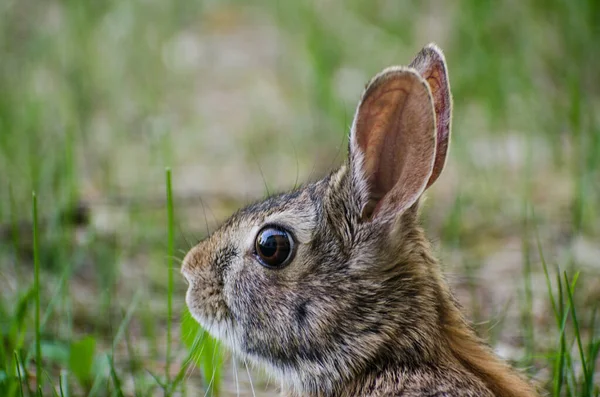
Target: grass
column 98, row 98
column 36, row 289
column 171, row 228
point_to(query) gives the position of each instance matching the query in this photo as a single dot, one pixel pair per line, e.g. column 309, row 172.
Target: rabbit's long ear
column 392, row 143
column 431, row 65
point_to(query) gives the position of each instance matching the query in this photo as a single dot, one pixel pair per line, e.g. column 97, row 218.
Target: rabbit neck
column 458, row 346
column 444, row 354
column 466, row 349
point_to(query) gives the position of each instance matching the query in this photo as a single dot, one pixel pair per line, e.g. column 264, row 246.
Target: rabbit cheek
column 260, row 311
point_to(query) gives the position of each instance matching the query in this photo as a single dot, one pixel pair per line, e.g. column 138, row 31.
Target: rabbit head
column 333, row 279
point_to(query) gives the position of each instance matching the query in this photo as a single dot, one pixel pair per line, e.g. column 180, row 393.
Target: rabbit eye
column 274, row 247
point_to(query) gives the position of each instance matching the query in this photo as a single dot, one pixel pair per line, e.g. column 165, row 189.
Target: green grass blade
column 51, row 384
column 194, row 352
column 593, row 355
column 126, row 320
column 527, row 304
column 171, row 255
column 593, row 351
column 56, row 296
column 64, row 383
column 96, row 385
column 18, row 365
column 14, row 221
column 547, row 276
column 132, row 358
column 559, row 366
column 36, row 284
column 158, row 380
column 115, row 377
column 570, row 287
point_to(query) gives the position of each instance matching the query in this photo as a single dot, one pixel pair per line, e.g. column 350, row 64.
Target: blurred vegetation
column 97, row 98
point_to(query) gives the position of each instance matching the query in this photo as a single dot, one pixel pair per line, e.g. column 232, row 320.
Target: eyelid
column 279, row 226
column 300, row 225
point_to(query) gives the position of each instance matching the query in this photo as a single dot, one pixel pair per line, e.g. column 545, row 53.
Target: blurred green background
column 98, row 97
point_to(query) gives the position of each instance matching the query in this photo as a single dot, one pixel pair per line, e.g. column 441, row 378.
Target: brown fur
column 363, row 308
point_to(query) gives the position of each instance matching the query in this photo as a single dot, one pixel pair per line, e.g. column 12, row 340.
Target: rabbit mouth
column 211, row 312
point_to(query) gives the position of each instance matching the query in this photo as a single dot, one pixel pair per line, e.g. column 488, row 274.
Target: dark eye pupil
column 273, row 247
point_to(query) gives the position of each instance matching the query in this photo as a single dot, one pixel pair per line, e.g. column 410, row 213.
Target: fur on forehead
column 293, row 211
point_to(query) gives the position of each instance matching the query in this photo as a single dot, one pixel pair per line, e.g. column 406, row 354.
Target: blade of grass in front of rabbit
column 195, row 354
column 190, row 361
column 195, row 351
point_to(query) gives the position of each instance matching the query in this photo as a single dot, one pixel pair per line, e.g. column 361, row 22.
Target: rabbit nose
column 186, row 274
column 187, row 265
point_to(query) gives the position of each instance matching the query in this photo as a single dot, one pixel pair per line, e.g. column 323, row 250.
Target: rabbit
column 333, row 287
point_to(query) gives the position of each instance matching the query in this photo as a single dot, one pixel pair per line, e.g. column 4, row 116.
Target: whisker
column 234, row 364
column 297, row 163
column 174, row 257
column 261, row 171
column 212, row 379
column 344, row 135
column 205, row 218
column 249, row 378
column 185, row 238
column 196, row 353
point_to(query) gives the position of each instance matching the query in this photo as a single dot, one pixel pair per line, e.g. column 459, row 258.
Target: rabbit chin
column 220, row 330
column 300, row 378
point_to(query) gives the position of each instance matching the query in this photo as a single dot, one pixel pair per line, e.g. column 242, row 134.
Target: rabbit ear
column 431, row 65
column 392, row 143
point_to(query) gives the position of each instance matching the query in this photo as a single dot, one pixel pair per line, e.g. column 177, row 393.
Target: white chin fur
column 221, row 331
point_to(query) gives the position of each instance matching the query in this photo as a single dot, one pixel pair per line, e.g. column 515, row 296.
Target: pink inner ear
column 441, row 100
column 395, row 130
column 384, row 111
column 431, row 65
